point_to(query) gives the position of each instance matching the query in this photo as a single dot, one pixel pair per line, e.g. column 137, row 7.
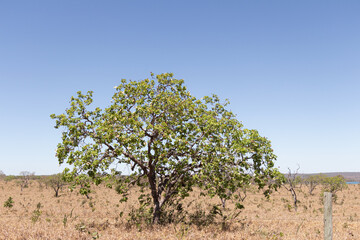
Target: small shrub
column 288, row 207
column 65, row 219
column 95, row 235
column 183, row 231
column 174, row 212
column 139, row 217
column 201, row 219
column 66, row 216
column 92, row 206
column 81, row 227
column 9, row 203
column 36, row 213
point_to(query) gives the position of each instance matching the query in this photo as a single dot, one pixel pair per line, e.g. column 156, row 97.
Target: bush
column 201, row 218
column 36, row 213
column 9, row 203
column 333, row 185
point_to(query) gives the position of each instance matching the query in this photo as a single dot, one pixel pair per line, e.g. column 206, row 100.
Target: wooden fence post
column 327, row 216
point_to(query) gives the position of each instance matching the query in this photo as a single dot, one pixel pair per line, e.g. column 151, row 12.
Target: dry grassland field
column 37, row 214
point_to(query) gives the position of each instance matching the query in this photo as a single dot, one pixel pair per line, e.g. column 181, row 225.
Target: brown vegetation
column 37, row 214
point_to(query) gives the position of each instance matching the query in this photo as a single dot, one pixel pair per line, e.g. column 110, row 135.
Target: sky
column 290, row 69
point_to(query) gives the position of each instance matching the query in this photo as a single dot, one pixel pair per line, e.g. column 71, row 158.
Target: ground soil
column 73, row 216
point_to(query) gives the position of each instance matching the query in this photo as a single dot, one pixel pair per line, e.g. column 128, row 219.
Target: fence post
column 327, row 216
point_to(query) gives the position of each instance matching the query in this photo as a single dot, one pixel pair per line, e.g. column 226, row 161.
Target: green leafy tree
column 170, row 139
column 334, row 184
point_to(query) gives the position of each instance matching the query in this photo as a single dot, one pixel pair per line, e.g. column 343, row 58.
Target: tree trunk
column 295, row 198
column 223, row 201
column 157, row 213
column 155, row 196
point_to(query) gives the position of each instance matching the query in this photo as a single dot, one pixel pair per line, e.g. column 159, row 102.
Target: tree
column 2, row 174
column 25, row 178
column 171, row 140
column 313, row 181
column 56, row 182
column 334, row 184
column 292, row 182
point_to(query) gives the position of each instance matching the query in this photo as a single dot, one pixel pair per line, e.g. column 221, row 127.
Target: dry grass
column 72, row 216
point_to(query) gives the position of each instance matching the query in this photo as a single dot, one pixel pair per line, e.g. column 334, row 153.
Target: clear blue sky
column 291, row 69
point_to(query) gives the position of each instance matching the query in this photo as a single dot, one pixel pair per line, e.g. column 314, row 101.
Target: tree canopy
column 171, row 140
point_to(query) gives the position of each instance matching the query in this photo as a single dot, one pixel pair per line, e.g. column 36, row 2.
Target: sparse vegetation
column 38, row 215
